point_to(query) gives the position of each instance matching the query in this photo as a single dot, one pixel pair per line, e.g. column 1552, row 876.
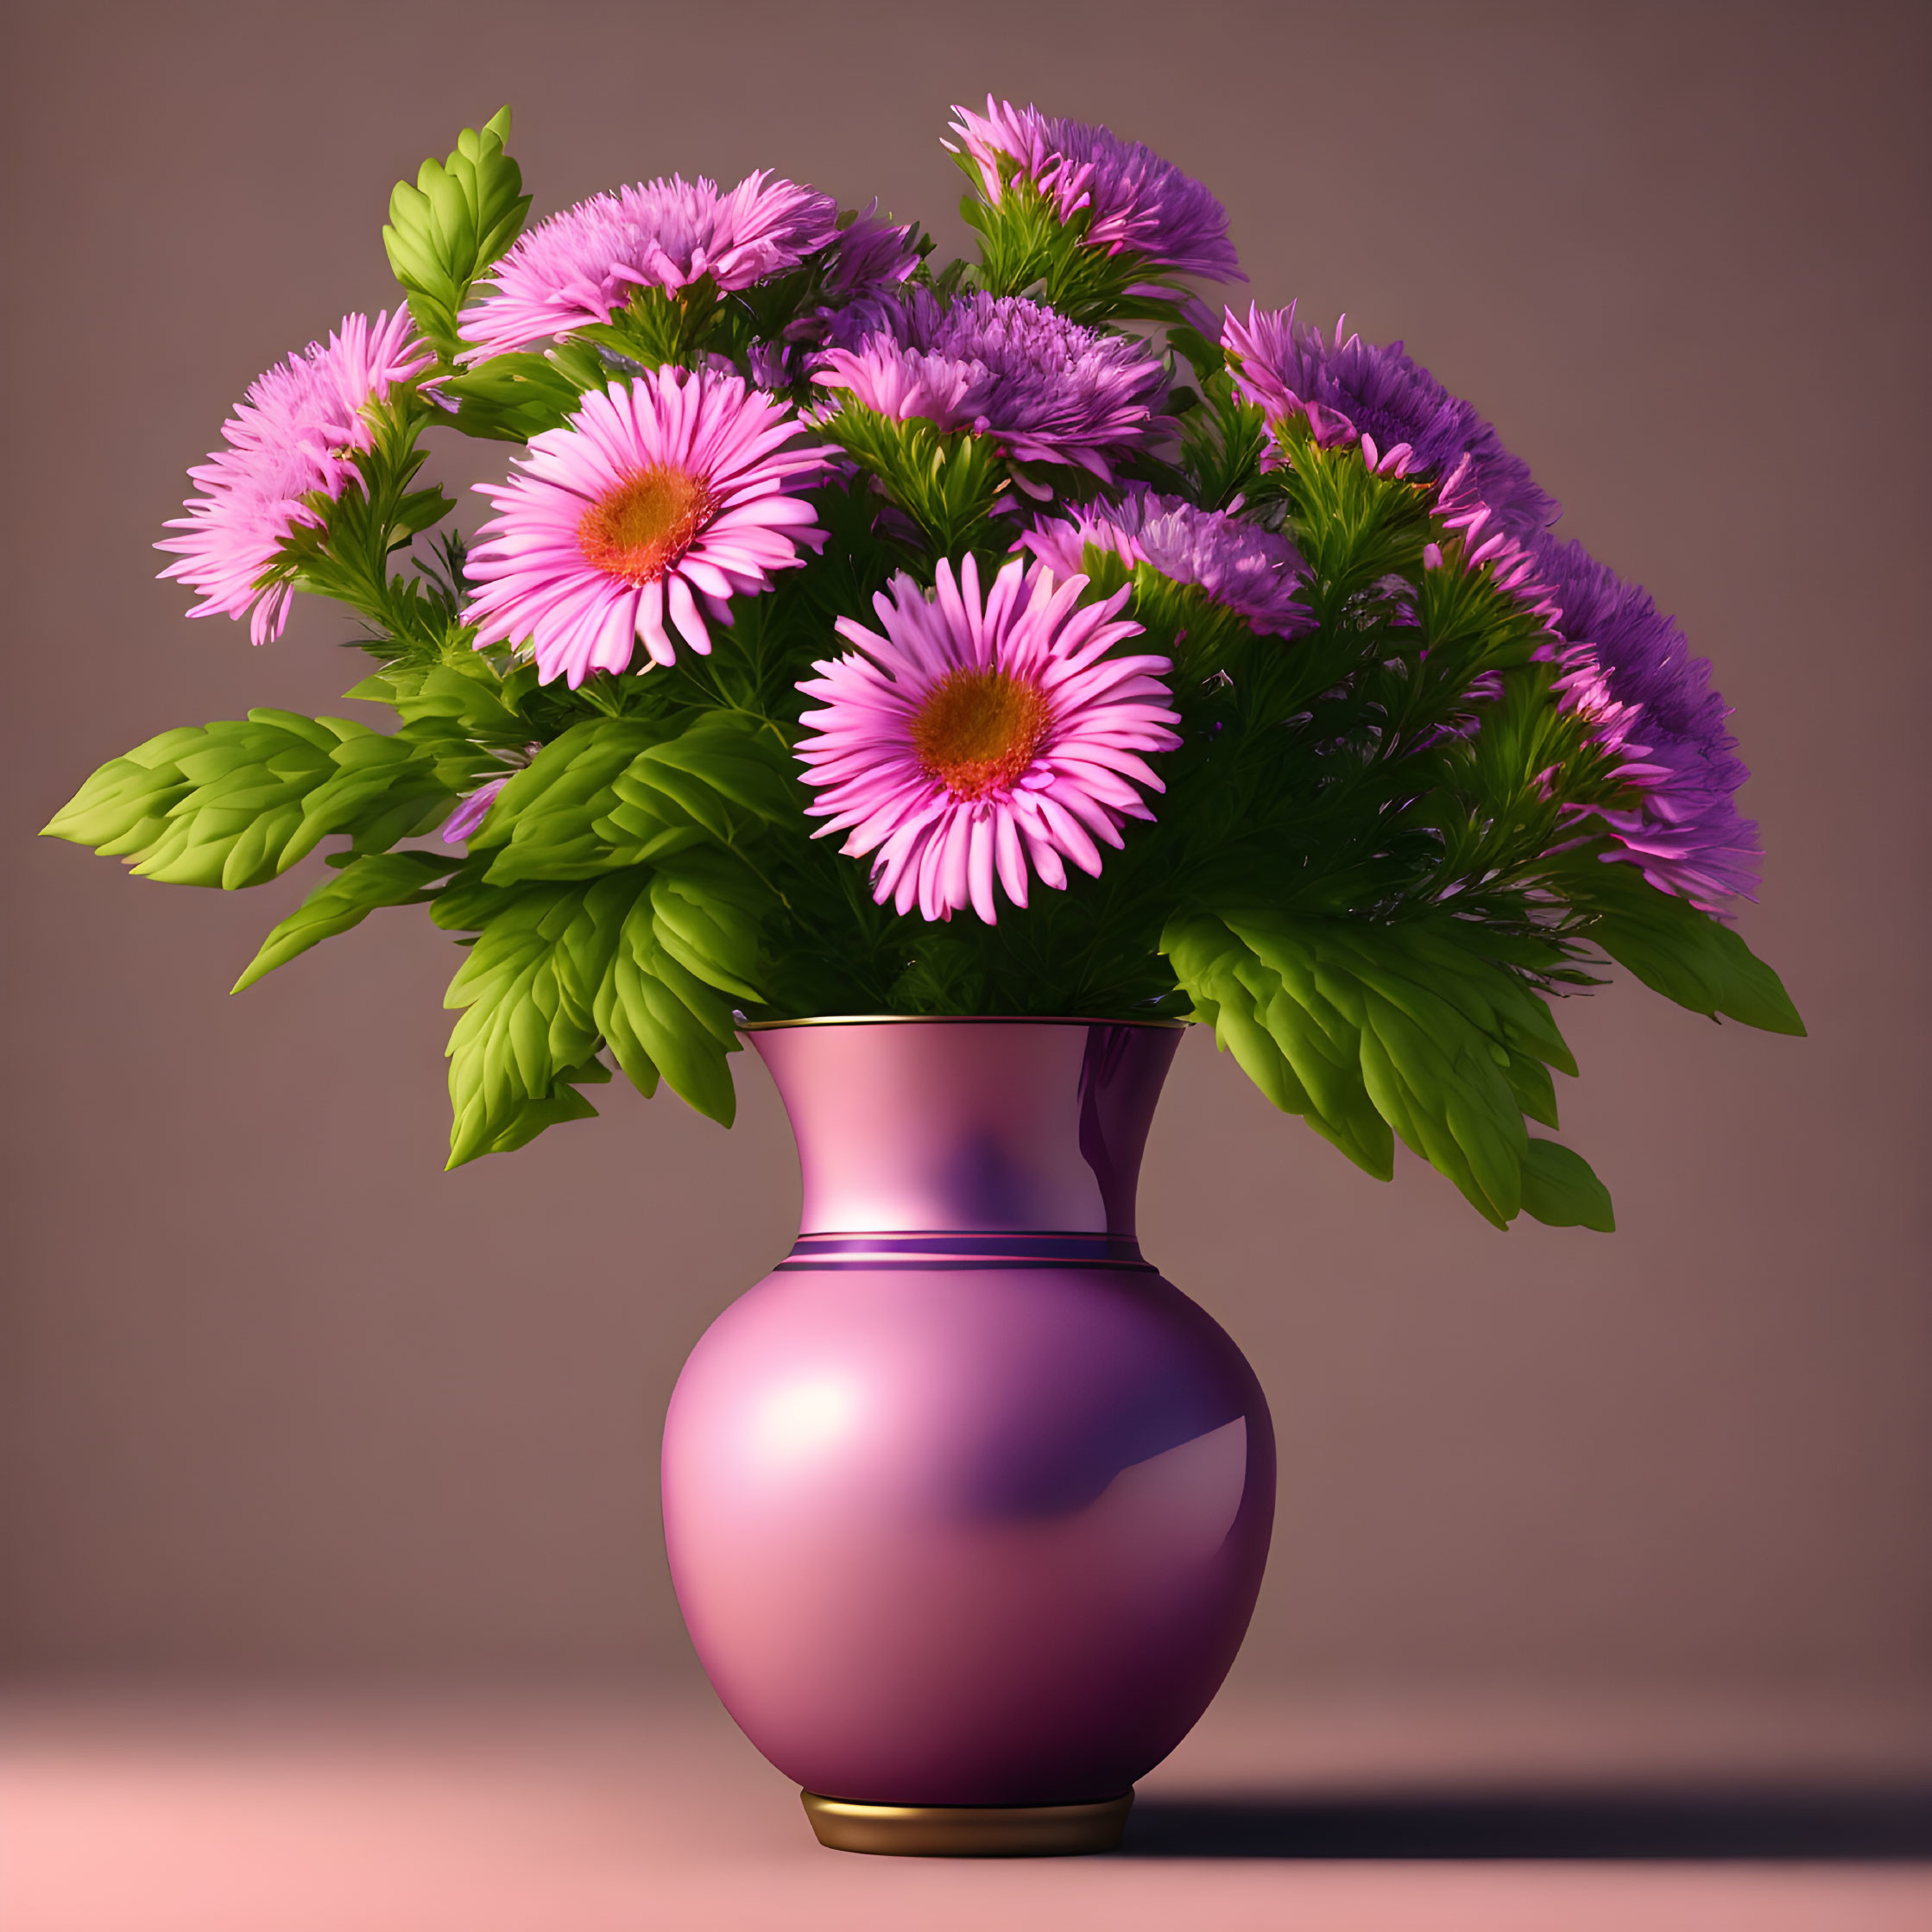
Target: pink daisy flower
column 656, row 496
column 291, row 437
column 581, row 267
column 978, row 741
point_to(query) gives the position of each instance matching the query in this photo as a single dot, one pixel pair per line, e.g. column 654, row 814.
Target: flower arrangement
column 851, row 635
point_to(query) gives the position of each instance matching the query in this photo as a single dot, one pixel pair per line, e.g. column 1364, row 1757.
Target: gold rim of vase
column 968, row 1830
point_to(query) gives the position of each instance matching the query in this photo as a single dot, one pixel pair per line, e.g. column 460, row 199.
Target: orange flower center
column 637, row 530
column 978, row 731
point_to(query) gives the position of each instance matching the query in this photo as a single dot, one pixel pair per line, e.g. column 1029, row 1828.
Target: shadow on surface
column 1890, row 1824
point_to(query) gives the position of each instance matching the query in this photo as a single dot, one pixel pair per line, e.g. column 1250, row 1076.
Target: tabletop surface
column 633, row 1809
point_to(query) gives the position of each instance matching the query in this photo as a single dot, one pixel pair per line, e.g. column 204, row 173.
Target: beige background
column 278, row 1396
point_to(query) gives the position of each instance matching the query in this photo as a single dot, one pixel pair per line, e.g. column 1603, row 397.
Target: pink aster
column 976, row 741
column 1253, row 571
column 1404, row 421
column 581, row 267
column 292, row 437
column 657, row 495
column 1046, row 389
column 1132, row 199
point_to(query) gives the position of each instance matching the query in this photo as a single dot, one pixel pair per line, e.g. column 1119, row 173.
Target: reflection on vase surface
column 965, row 1503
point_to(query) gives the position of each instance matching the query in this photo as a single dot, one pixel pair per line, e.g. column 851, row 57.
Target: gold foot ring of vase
column 967, row 1831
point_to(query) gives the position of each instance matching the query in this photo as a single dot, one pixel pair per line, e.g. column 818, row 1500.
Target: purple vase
column 966, row 1506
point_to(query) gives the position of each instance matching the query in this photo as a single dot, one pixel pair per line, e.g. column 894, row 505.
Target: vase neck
column 969, row 1128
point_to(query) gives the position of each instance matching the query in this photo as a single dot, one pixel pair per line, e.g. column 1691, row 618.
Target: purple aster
column 1628, row 669
column 1253, row 571
column 461, row 823
column 869, row 257
column 1132, row 198
column 581, row 267
column 1513, row 564
column 1405, row 422
column 975, row 743
column 1048, row 390
column 292, row 436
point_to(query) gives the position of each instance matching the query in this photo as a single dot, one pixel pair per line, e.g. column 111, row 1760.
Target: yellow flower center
column 978, row 731
column 638, row 529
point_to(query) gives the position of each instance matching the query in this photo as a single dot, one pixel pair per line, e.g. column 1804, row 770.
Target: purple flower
column 1046, row 389
column 462, row 822
column 1405, row 422
column 1513, row 564
column 656, row 494
column 1132, row 198
column 1628, row 669
column 869, row 257
column 292, row 436
column 581, row 267
column 1253, row 571
column 981, row 742
column 774, row 365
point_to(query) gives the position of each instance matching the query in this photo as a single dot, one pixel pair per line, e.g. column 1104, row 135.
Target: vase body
column 965, row 1505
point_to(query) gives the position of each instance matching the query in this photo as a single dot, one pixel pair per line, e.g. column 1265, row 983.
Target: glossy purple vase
column 966, row 1505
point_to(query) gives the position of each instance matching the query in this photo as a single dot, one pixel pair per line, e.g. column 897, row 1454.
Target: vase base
column 967, row 1831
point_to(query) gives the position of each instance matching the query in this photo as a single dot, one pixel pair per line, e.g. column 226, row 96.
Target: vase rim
column 959, row 1020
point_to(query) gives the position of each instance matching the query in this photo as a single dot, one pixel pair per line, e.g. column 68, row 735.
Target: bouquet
column 854, row 634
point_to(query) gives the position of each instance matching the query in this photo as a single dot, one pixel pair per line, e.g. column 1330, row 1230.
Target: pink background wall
column 277, row 1395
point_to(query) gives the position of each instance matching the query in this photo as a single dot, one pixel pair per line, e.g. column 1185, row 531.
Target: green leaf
column 527, row 1032
column 558, row 971
column 1560, row 1190
column 346, row 900
column 446, row 229
column 461, row 715
column 236, row 802
column 1025, row 246
column 726, row 770
column 1684, row 953
column 659, row 1017
column 945, row 481
column 613, row 793
column 513, row 397
column 1370, row 1031
column 545, row 824
column 658, row 326
column 707, row 914
column 523, row 1122
column 1353, row 525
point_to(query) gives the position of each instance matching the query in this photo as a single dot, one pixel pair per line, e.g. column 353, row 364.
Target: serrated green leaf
column 660, row 1018
column 526, row 1022
column 236, row 802
column 448, row 227
column 707, row 914
column 558, row 972
column 613, row 792
column 513, row 397
column 543, row 825
column 1375, row 1032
